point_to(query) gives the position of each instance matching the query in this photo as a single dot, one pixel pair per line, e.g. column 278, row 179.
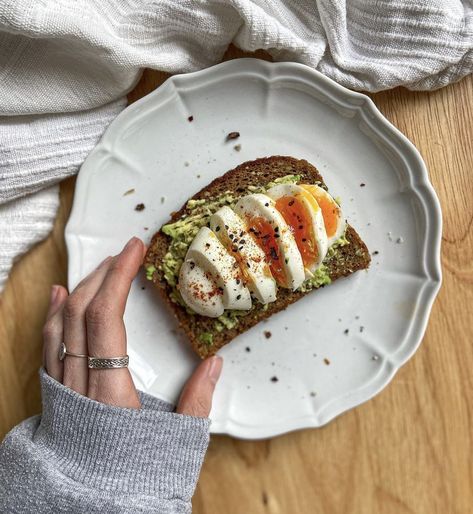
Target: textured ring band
column 108, row 363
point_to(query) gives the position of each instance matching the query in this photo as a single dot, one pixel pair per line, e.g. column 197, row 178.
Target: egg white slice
column 199, row 290
column 258, row 205
column 334, row 221
column 209, row 254
column 232, row 233
column 316, row 221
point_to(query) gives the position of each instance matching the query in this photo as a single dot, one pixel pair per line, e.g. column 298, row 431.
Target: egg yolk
column 265, row 236
column 296, row 215
column 330, row 209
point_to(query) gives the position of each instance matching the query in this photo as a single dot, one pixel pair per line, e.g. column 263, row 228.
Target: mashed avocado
column 183, row 231
column 207, row 338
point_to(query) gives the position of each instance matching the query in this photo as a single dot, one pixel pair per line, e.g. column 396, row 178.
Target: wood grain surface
column 409, row 450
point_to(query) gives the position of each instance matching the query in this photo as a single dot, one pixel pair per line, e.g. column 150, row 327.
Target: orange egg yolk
column 330, row 210
column 297, row 216
column 265, row 236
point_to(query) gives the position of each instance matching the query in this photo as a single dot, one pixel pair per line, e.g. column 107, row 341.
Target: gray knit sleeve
column 82, row 456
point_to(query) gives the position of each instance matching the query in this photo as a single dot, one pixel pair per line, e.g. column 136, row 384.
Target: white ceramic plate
column 286, row 109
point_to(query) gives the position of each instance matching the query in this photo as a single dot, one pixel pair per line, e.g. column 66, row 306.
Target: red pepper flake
column 267, row 334
column 140, row 207
column 233, row 135
column 190, row 118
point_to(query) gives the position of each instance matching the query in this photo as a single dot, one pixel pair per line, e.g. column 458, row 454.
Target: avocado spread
column 183, row 231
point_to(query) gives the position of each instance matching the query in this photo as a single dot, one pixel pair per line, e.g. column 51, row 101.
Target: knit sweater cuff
column 147, row 451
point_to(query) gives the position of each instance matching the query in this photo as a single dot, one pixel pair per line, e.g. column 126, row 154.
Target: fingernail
column 215, row 368
column 132, row 242
column 54, row 294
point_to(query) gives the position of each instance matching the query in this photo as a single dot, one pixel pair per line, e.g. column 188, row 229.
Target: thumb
column 196, row 397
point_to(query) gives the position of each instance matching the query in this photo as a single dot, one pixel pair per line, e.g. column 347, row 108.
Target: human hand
column 90, row 322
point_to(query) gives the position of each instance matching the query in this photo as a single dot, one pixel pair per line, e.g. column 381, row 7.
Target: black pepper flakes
column 267, row 334
column 217, row 228
column 140, row 207
column 375, row 252
column 233, row 135
column 291, row 203
column 248, row 349
column 326, row 361
column 274, row 379
column 190, row 118
column 362, row 185
column 238, row 297
column 346, row 331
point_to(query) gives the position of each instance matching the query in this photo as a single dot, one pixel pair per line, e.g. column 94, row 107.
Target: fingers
column 106, row 331
column 53, row 333
column 75, row 334
column 196, row 397
column 104, row 316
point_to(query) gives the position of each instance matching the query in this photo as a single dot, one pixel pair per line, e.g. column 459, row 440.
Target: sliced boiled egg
column 302, row 213
column 232, row 232
column 273, row 236
column 199, row 290
column 334, row 221
column 208, row 253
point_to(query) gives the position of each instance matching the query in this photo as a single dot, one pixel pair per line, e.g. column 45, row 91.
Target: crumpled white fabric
column 66, row 65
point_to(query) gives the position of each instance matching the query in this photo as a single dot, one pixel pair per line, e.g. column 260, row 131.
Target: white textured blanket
column 65, row 66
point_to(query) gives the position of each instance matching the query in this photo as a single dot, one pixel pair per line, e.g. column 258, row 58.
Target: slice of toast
column 205, row 336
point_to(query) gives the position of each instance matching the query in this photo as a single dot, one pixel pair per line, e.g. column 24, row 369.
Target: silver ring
column 63, row 352
column 108, row 363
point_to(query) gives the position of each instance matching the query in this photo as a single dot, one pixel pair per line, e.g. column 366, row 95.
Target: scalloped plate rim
column 419, row 184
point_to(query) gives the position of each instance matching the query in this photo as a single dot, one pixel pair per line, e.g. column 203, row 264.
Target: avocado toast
column 168, row 248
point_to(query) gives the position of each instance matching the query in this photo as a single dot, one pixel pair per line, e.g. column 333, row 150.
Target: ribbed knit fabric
column 81, row 55
column 84, row 456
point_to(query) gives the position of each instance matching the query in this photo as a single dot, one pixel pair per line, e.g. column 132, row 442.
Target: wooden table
column 409, row 450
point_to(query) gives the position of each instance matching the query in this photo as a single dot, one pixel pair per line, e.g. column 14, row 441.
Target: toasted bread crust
column 350, row 258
